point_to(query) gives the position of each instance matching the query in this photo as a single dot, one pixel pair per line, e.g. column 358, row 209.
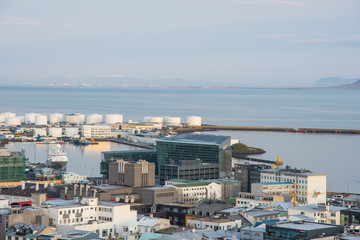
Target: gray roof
column 352, row 198
column 197, row 138
column 259, row 213
column 315, row 208
column 308, row 226
column 292, row 172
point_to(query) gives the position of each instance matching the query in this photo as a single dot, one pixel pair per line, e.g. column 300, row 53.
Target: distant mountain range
column 333, row 82
column 354, row 85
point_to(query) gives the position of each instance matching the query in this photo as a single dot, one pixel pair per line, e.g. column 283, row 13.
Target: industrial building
column 12, row 166
column 96, row 131
column 189, row 169
column 134, row 174
column 208, row 148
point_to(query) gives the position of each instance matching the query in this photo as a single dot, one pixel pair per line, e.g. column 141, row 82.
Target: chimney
column 94, row 191
column 87, row 187
column 37, row 187
column 65, row 190
column 151, row 216
column 46, row 185
column 22, row 185
column 75, row 188
column 81, row 188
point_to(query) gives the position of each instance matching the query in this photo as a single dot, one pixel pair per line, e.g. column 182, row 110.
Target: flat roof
column 307, row 226
column 292, row 172
column 197, row 139
column 276, row 183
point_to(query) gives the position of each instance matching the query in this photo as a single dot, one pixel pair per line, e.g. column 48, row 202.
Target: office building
column 208, row 148
column 128, row 155
column 248, row 173
column 310, row 187
column 134, row 174
column 188, row 169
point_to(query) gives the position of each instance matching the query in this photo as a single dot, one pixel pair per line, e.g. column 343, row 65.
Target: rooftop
column 315, row 208
column 277, row 183
column 291, row 171
column 197, row 139
column 187, row 183
column 308, row 226
column 259, row 213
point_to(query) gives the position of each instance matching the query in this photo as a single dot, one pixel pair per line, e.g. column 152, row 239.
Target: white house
column 214, row 223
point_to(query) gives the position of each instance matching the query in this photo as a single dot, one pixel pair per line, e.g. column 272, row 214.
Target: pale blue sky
column 249, row 42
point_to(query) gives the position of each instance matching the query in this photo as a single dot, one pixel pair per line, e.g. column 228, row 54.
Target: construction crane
column 294, row 194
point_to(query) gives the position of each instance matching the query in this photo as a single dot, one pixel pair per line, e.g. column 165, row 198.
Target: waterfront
column 84, row 160
column 334, row 155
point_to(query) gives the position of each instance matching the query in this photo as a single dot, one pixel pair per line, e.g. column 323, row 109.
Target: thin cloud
column 19, row 21
column 276, row 35
column 330, row 40
column 271, row 2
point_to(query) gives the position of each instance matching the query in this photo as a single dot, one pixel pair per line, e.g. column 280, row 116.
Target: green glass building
column 207, row 148
column 12, row 166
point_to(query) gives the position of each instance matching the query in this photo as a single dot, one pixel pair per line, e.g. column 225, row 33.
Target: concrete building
column 158, row 195
column 96, row 131
column 193, row 191
column 310, row 187
column 248, row 174
column 252, row 233
column 214, row 223
column 251, row 200
column 273, row 188
column 302, row 230
column 127, row 155
column 25, row 231
column 350, row 217
column 70, row 178
column 208, row 148
column 188, row 169
column 229, row 187
column 134, row 174
column 322, row 213
column 352, row 201
column 258, row 215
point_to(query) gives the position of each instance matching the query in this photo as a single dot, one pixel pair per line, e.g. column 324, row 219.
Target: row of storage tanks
column 10, row 119
column 174, row 121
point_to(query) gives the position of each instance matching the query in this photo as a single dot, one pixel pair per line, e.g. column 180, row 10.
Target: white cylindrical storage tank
column 55, row 132
column 56, row 118
column 72, row 118
column 13, row 121
column 30, row 118
column 2, row 118
column 172, row 121
column 41, row 120
column 98, row 117
column 91, row 119
column 193, row 121
column 82, row 118
column 71, row 132
column 9, row 115
column 113, row 118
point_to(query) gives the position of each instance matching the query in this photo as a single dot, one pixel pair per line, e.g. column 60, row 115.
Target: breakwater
column 267, row 129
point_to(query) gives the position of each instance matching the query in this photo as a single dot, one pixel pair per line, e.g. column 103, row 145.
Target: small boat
column 80, row 141
column 57, row 159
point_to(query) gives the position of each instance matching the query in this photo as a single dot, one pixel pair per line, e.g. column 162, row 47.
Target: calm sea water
column 335, row 155
column 273, row 108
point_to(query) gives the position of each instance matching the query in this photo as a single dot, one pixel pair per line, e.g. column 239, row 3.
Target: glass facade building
column 207, row 148
column 12, row 167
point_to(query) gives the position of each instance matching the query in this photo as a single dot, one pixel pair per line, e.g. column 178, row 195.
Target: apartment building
column 310, row 187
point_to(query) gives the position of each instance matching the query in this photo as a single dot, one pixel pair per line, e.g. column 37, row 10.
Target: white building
column 88, row 214
column 96, row 131
column 273, row 188
column 70, row 178
column 214, row 223
column 322, row 213
column 193, row 191
column 251, row 200
column 310, row 187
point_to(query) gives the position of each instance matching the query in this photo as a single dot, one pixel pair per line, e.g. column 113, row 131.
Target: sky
column 236, row 42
